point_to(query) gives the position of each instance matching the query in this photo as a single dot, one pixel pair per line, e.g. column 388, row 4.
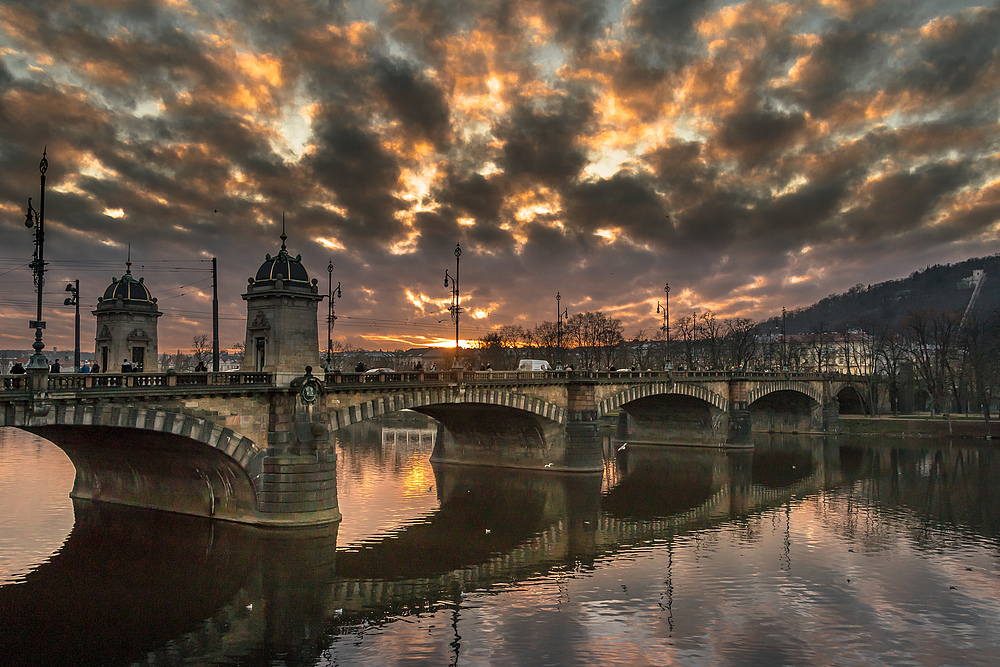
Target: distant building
column 427, row 357
column 126, row 324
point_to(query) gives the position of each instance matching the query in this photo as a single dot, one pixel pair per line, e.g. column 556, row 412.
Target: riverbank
column 941, row 426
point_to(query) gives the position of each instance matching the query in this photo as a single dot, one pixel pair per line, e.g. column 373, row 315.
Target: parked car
column 380, row 370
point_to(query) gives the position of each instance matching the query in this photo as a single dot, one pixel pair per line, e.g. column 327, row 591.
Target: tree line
column 931, row 360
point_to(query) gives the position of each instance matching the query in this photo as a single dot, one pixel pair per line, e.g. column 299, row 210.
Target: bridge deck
column 116, row 383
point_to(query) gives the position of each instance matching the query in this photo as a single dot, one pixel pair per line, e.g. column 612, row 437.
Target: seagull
column 548, row 465
column 429, row 489
column 487, row 531
column 250, row 606
column 622, row 447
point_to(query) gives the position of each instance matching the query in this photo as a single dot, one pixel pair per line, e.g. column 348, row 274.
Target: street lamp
column 74, row 300
column 666, row 324
column 784, row 343
column 36, row 219
column 332, row 294
column 455, row 306
column 560, row 315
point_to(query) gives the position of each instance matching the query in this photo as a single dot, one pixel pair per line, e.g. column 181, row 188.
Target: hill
column 947, row 287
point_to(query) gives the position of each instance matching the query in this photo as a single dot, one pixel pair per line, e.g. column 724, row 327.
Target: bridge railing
column 85, row 381
column 15, row 382
column 96, row 381
column 334, row 379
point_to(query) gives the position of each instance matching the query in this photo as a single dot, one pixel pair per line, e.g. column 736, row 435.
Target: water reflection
column 135, row 586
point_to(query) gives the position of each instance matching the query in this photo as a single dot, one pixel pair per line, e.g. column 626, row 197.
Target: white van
column 533, row 365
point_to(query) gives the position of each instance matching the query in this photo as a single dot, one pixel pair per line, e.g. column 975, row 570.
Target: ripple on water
column 36, row 513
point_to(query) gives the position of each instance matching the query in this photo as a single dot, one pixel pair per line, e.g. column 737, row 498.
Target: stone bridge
column 236, row 446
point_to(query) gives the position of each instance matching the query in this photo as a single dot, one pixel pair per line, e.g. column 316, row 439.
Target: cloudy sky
column 753, row 154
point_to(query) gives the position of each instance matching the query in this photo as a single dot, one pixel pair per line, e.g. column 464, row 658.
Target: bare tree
column 931, row 337
column 710, row 333
column 686, row 329
column 544, row 339
column 201, row 348
column 239, row 350
column 741, row 341
column 595, row 337
column 642, row 353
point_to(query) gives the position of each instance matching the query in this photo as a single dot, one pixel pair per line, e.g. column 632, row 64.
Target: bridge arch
column 784, row 385
column 164, row 458
column 414, row 399
column 233, row 445
column 635, row 392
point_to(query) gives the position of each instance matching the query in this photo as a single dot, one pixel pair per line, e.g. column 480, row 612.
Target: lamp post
column 74, row 300
column 784, row 343
column 455, row 306
column 560, row 314
column 331, row 314
column 36, row 219
column 666, row 325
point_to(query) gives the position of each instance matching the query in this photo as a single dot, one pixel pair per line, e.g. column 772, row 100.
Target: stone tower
column 126, row 325
column 282, row 332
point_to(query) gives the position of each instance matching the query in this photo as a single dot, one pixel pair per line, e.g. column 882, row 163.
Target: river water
column 804, row 551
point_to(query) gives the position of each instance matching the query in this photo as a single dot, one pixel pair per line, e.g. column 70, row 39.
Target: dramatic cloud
column 752, row 154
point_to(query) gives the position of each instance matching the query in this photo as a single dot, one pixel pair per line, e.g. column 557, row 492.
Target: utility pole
column 215, row 316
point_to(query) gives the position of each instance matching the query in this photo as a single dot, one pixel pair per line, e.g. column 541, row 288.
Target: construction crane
column 977, row 279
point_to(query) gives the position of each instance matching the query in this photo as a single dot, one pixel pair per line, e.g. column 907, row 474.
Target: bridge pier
column 686, row 423
column 583, row 444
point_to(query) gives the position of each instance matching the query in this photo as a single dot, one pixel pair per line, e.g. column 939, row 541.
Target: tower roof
column 127, row 288
column 282, row 266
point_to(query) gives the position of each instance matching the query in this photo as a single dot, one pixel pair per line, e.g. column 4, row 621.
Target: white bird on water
column 622, row 447
column 548, row 465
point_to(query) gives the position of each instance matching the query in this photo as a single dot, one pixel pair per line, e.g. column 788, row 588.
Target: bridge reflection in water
column 158, row 588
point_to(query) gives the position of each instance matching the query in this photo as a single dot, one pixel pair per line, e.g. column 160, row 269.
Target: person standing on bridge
column 55, row 367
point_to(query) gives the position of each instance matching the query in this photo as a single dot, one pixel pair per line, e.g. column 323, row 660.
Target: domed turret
column 282, row 267
column 127, row 289
column 126, row 325
column 282, row 335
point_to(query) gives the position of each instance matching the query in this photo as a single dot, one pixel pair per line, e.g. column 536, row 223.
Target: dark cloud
column 757, row 135
column 893, row 204
column 624, row 201
column 577, row 22
column 958, row 57
column 665, row 32
column 415, row 100
column 473, row 195
column 843, row 61
column 352, row 163
column 543, row 145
